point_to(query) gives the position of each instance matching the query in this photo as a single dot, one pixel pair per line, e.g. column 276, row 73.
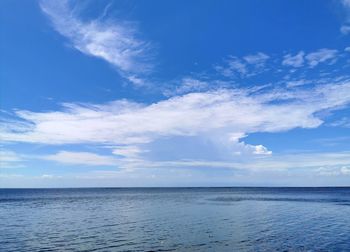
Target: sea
column 175, row 219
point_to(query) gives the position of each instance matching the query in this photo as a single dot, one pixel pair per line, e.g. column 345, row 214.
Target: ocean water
column 175, row 219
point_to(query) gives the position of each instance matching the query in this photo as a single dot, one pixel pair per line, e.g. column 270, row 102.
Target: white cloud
column 81, row 158
column 246, row 66
column 345, row 29
column 345, row 170
column 189, row 85
column 234, row 66
column 9, row 156
column 221, row 118
column 321, row 56
column 9, row 159
column 258, row 59
column 123, row 122
column 270, row 162
column 128, row 151
column 296, row 83
column 313, row 58
column 261, row 150
column 343, row 122
column 334, row 171
column 294, row 61
column 113, row 42
column 346, row 3
column 347, row 49
column 137, row 81
column 50, row 176
column 262, row 162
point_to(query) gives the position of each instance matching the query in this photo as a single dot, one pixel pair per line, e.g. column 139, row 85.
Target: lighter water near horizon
column 175, row 219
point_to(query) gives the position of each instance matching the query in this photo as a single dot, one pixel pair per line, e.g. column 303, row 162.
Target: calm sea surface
column 175, row 219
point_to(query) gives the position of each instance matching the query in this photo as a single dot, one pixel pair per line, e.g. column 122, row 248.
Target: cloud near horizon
column 220, row 119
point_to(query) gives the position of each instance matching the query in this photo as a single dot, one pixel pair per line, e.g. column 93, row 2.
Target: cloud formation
column 312, row 59
column 294, row 60
column 345, row 28
column 343, row 122
column 246, row 66
column 222, row 117
column 320, row 56
column 81, row 158
column 9, row 159
column 116, row 43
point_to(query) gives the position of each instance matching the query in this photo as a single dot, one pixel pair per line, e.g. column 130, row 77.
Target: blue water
column 175, row 219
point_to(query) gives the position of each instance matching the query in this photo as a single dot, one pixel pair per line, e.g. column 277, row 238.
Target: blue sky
column 174, row 93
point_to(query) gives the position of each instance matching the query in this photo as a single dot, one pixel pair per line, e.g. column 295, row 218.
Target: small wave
column 314, row 200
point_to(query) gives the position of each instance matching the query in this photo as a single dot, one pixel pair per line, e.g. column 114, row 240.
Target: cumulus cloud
column 261, row 150
column 116, row 43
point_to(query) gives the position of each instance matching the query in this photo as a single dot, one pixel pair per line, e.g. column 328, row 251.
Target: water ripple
column 190, row 219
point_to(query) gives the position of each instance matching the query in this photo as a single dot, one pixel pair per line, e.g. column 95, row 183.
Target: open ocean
column 175, row 219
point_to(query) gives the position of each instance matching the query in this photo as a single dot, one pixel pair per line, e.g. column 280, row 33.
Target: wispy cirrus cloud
column 296, row 60
column 115, row 42
column 188, row 85
column 248, row 65
column 296, row 83
column 343, row 122
column 282, row 162
column 313, row 161
column 345, row 27
column 339, row 171
column 10, row 159
column 258, row 59
column 81, row 158
column 279, row 66
column 320, row 56
column 312, row 59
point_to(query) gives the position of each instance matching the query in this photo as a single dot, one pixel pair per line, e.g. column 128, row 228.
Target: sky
column 174, row 93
